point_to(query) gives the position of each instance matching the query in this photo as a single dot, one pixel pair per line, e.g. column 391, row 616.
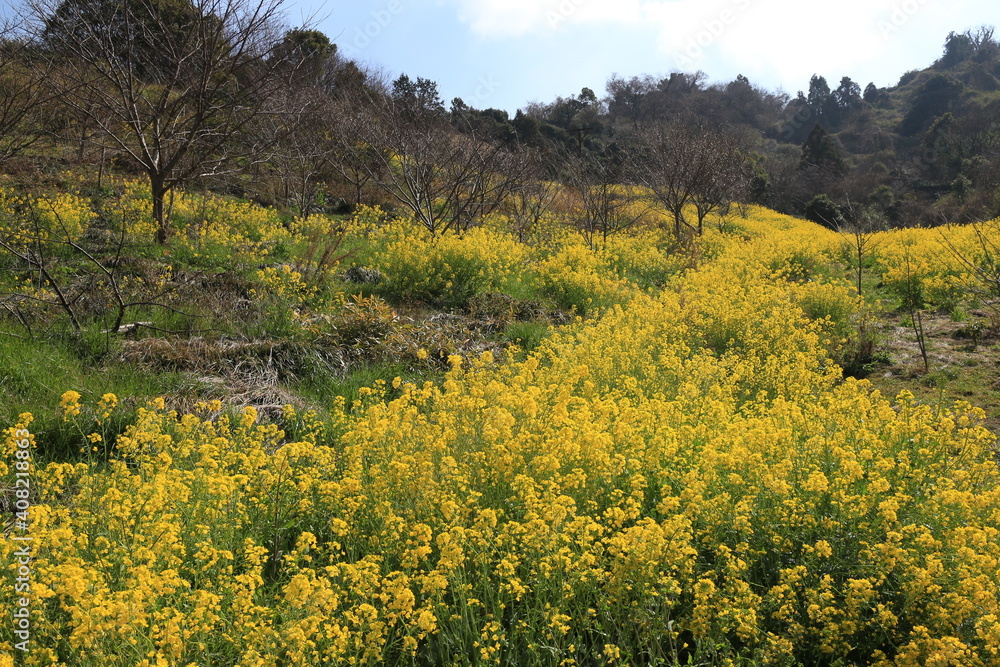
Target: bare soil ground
column 963, row 361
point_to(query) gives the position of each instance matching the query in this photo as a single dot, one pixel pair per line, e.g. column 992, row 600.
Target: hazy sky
column 506, row 53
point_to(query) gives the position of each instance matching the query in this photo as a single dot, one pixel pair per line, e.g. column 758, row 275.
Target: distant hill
column 921, row 152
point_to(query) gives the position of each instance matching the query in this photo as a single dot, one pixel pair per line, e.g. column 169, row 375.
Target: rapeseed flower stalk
column 64, row 217
column 106, row 406
column 447, row 270
column 70, row 404
column 687, row 479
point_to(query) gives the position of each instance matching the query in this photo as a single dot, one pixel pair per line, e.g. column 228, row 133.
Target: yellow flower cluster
column 133, row 211
column 447, row 269
column 70, row 404
column 686, row 480
column 284, row 283
column 941, row 267
column 642, row 257
column 210, row 223
column 206, row 224
column 61, row 218
column 581, row 280
column 65, row 216
column 366, row 220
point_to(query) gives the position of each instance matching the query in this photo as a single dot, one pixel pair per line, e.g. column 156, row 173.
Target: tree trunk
column 158, row 192
column 83, row 144
column 100, row 170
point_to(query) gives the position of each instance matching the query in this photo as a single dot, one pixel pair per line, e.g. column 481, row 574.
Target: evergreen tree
column 820, row 150
column 417, row 97
column 824, row 211
column 936, row 96
column 308, row 55
column 145, row 38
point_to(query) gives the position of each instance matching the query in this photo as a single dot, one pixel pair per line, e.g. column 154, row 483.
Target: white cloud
column 772, row 28
column 773, row 42
column 786, row 41
column 514, row 18
column 784, row 35
column 498, row 18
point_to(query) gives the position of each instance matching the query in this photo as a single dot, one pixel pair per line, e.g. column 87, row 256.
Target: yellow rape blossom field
column 683, row 477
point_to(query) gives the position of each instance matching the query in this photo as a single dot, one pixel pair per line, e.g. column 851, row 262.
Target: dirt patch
column 963, row 361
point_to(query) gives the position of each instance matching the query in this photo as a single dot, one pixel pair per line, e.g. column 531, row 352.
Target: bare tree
column 687, row 167
column 352, row 94
column 533, row 198
column 24, row 99
column 860, row 239
column 607, row 206
column 298, row 120
column 447, row 180
column 356, row 161
column 303, row 153
column 172, row 84
column 628, row 97
column 482, row 174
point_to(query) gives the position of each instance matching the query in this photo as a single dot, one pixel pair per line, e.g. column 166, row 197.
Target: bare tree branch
column 691, row 167
column 447, row 180
column 25, row 101
column 175, row 86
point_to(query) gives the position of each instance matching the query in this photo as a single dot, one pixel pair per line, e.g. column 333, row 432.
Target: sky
column 507, row 53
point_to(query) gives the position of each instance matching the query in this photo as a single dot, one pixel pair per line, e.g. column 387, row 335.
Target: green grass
column 321, row 388
column 34, row 374
column 527, row 336
column 969, row 381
